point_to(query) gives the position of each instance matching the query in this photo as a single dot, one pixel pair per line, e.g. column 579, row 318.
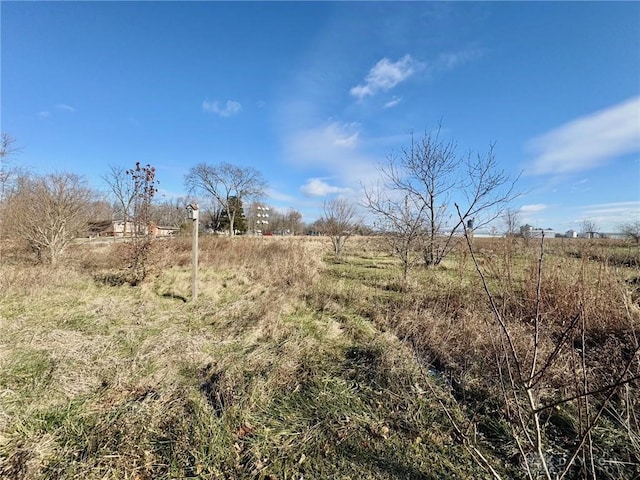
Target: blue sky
column 315, row 95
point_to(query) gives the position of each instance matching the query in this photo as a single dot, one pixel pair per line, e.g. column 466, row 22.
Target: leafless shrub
column 431, row 175
column 631, row 230
column 48, row 212
column 339, row 221
column 526, row 374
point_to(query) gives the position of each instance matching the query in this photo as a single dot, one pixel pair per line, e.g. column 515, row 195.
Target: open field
column 294, row 364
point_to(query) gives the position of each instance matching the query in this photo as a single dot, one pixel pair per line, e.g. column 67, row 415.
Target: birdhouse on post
column 192, row 211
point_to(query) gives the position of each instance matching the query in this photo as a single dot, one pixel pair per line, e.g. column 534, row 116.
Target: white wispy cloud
column 607, row 216
column 330, row 136
column 66, row 108
column 588, row 141
column 612, row 212
column 450, row 60
column 582, row 185
column 533, row 208
column 317, row 187
column 44, row 114
column 393, row 102
column 346, row 135
column 334, row 147
column 230, row 108
column 280, row 196
column 385, row 75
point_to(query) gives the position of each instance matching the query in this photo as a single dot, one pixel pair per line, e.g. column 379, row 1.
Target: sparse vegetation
column 295, row 363
column 421, row 184
column 631, row 230
column 339, row 221
column 47, row 212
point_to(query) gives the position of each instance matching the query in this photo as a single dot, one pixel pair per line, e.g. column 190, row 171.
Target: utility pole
column 192, row 211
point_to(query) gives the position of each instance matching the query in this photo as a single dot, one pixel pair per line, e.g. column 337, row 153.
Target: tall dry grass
column 574, row 315
column 292, row 363
column 99, row 379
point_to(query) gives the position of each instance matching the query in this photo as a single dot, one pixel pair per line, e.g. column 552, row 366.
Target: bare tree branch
column 122, row 193
column 224, row 181
column 49, row 212
column 431, row 175
column 339, row 221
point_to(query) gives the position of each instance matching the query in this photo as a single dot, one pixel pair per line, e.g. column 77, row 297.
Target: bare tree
column 631, row 230
column 287, row 222
column 339, row 220
column 170, row 213
column 143, row 180
column 294, row 222
column 589, row 228
column 431, row 173
column 122, row 192
column 401, row 220
column 8, row 149
column 511, row 222
column 223, row 182
column 49, row 212
column 212, row 215
column 100, row 209
column 7, row 173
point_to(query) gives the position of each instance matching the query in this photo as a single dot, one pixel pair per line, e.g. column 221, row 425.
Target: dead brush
column 584, row 287
column 555, row 369
column 272, row 261
column 35, row 279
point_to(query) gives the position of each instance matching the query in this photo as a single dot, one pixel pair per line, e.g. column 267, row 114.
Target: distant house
column 571, row 234
column 158, row 231
column 116, row 228
column 110, row 228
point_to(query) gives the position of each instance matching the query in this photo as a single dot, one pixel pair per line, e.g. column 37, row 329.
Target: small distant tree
column 144, row 183
column 402, row 221
column 631, row 230
column 589, row 228
column 170, row 213
column 236, row 212
column 48, row 212
column 288, row 222
column 511, row 222
column 8, row 149
column 122, row 192
column 339, row 221
column 223, row 182
column 293, row 220
column 432, row 174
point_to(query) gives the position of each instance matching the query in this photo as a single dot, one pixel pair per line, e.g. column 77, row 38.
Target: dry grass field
column 294, row 364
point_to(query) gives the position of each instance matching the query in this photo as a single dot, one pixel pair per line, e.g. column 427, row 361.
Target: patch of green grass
column 343, row 423
column 27, row 370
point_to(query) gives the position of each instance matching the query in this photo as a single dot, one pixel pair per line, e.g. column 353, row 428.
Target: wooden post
column 193, row 215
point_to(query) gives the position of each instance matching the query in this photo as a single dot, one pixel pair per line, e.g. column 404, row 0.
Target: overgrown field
column 294, row 364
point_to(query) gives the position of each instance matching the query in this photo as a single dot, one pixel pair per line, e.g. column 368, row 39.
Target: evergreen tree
column 240, row 221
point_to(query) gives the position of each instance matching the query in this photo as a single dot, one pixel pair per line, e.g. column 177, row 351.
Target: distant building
column 116, row 228
column 110, row 228
column 533, row 232
column 525, row 230
column 571, row 234
column 589, row 235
